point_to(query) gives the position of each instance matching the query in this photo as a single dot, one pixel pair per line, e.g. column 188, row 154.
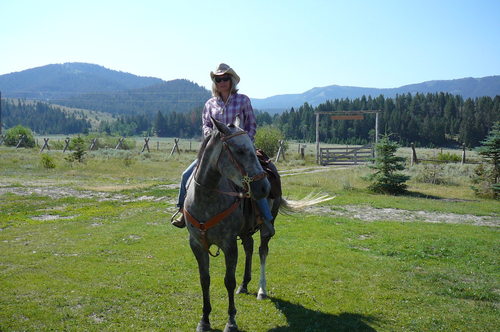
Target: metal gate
column 346, row 155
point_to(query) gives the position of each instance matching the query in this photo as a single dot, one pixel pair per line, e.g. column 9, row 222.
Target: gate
column 346, row 155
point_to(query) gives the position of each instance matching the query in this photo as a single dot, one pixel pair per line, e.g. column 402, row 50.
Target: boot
column 270, row 227
column 178, row 221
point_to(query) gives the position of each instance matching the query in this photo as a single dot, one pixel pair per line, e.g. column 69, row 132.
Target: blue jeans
column 184, row 179
column 261, row 203
column 264, row 209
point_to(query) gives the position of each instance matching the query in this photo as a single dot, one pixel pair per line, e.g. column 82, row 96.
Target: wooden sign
column 348, row 117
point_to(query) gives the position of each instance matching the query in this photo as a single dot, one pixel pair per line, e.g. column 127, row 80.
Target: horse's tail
column 291, row 206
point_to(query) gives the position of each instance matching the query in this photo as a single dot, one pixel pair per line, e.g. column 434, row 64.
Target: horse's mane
column 203, row 146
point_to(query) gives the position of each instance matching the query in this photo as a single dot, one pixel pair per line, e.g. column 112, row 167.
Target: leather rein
column 247, row 193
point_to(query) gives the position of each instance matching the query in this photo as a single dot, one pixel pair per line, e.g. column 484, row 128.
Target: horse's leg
column 231, row 256
column 263, row 252
column 248, row 246
column 204, row 271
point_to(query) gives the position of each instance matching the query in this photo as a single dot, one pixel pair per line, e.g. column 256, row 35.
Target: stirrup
column 178, row 221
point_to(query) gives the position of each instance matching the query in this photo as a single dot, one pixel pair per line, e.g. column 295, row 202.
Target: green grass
column 118, row 265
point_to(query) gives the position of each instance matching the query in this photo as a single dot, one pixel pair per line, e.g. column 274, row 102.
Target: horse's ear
column 220, row 127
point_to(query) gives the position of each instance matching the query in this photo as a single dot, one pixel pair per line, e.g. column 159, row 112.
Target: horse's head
column 237, row 160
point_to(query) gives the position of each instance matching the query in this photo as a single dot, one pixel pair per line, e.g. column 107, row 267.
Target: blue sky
column 276, row 46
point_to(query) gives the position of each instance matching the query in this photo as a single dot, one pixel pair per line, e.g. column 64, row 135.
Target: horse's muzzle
column 260, row 189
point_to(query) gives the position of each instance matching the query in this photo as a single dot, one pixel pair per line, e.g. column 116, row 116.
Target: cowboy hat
column 225, row 69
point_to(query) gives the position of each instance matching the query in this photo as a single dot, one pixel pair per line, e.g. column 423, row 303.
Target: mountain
column 90, row 86
column 172, row 96
column 466, row 87
column 68, row 79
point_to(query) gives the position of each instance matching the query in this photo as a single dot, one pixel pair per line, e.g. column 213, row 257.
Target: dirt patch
column 308, row 170
column 370, row 214
column 48, row 217
column 361, row 212
column 55, row 192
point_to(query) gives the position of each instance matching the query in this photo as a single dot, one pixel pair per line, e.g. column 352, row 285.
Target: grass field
column 88, row 247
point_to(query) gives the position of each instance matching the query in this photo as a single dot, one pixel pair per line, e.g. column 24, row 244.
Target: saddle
column 272, row 173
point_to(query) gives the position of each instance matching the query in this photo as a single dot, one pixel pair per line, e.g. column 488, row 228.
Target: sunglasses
column 222, row 79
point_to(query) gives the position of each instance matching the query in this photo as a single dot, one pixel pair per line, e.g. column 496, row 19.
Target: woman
column 225, row 106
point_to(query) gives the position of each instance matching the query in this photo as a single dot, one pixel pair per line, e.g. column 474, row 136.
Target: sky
column 275, row 46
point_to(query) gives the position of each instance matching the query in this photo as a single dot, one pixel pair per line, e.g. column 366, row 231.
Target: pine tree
column 386, row 178
column 77, row 145
column 490, row 151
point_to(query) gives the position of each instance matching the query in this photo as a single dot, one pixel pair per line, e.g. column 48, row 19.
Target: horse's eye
column 240, row 152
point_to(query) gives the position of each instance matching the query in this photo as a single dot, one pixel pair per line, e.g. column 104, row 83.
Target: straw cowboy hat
column 225, row 69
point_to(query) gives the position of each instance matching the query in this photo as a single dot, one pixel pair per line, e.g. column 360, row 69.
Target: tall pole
column 376, row 127
column 317, row 138
column 0, row 112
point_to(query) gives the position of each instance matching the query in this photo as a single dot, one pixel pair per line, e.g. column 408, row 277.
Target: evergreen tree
column 77, row 145
column 386, row 178
column 160, row 125
column 490, row 151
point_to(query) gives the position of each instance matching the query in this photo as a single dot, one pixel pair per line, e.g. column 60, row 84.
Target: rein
column 247, row 180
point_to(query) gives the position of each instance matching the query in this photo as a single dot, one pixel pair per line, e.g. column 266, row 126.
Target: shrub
column 267, row 139
column 434, row 174
column 13, row 135
column 47, row 161
column 448, row 157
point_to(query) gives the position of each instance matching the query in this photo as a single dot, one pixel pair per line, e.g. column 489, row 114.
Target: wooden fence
column 416, row 160
column 346, row 155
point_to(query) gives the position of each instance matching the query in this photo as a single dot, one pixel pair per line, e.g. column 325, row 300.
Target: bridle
column 245, row 178
column 247, row 193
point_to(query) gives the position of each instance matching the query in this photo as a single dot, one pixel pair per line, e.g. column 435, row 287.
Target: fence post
column 414, row 159
column 66, row 145
column 175, row 147
column 146, row 144
column 45, row 145
column 21, row 139
column 463, row 153
column 93, row 144
column 119, row 144
column 281, row 151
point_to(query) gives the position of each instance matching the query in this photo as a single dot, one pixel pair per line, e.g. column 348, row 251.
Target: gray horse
column 219, row 207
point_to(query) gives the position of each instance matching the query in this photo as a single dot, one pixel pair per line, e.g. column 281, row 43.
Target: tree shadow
column 427, row 196
column 416, row 194
column 302, row 319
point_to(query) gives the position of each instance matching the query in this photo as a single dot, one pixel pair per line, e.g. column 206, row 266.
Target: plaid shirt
column 237, row 105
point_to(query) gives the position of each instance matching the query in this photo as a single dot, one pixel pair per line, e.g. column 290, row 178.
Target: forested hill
column 465, row 87
column 83, row 85
column 173, row 96
column 60, row 81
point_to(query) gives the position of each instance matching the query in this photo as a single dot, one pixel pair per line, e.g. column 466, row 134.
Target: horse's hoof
column 242, row 290
column 261, row 296
column 231, row 328
column 203, row 327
